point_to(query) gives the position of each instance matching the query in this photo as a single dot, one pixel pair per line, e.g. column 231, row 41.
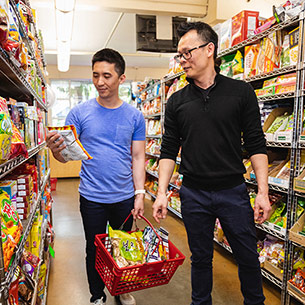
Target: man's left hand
column 138, row 206
column 262, row 208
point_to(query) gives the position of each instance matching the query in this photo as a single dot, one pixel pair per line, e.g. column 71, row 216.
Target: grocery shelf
column 276, row 97
column 151, row 194
column 151, row 86
column 301, row 144
column 177, row 213
column 296, row 297
column 153, row 155
column 27, row 224
column 10, row 165
column 265, row 273
column 44, row 301
column 271, row 186
column 171, row 77
column 299, row 194
column 13, row 83
column 151, row 116
column 152, row 173
column 271, row 278
column 157, row 136
column 26, row 36
column 278, row 144
column 265, row 227
column 255, row 38
column 151, row 98
column 275, row 72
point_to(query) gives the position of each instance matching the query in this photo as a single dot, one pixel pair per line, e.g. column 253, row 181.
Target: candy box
column 243, row 26
column 225, row 35
column 293, row 46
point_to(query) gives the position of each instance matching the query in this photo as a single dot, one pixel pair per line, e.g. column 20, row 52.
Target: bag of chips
column 127, row 249
column 4, row 22
column 74, row 149
column 18, row 147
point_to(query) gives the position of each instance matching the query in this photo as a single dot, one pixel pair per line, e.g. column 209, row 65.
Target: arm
column 138, row 170
column 260, row 166
column 166, row 168
column 55, row 143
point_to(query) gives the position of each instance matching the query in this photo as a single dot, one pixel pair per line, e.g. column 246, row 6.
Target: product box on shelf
column 276, row 271
column 296, row 291
column 10, row 187
column 250, row 60
column 272, row 116
column 225, row 35
column 273, row 177
column 243, row 26
column 293, row 46
column 294, row 234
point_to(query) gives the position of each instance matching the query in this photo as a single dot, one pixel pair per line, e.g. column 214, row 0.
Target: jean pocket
column 123, row 135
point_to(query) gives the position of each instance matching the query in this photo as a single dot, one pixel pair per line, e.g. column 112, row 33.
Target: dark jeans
column 232, row 207
column 95, row 217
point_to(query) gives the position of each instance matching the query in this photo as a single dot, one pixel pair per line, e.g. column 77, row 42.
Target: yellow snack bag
column 74, row 149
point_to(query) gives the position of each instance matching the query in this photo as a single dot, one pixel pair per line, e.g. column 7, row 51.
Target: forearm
column 138, row 170
column 166, row 169
column 260, row 167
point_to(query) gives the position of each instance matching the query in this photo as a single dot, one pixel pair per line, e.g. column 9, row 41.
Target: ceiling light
column 63, row 55
column 65, row 5
column 64, row 25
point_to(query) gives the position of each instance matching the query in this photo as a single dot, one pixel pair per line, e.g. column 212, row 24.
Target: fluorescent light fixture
column 64, row 25
column 63, row 55
column 65, row 5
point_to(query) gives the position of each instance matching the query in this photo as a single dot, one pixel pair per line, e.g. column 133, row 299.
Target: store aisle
column 68, row 282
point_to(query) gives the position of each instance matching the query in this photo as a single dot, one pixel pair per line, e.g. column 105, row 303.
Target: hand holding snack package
column 74, row 149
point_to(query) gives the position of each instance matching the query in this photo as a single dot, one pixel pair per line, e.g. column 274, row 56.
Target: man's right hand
column 56, row 143
column 160, row 207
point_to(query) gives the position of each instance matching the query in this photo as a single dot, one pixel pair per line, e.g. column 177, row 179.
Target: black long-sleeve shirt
column 208, row 125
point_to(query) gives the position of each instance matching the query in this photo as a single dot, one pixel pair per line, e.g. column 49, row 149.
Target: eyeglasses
column 188, row 54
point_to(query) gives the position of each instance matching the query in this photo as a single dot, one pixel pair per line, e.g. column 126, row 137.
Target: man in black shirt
column 207, row 118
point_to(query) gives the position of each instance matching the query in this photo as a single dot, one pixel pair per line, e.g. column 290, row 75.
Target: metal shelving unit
column 157, row 136
column 152, row 116
column 276, row 97
column 174, row 211
column 278, row 144
column 151, row 98
column 14, row 84
column 151, row 194
column 152, row 155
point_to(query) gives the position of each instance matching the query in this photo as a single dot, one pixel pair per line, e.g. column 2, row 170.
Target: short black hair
column 206, row 33
column 111, row 56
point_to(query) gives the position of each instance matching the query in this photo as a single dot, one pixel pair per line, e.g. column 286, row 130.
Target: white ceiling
column 91, row 29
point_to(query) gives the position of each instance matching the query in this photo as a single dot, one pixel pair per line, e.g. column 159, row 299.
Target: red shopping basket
column 132, row 278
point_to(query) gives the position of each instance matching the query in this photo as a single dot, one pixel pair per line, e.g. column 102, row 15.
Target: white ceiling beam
column 188, row 8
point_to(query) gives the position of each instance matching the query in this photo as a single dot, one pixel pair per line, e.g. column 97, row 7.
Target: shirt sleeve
column 139, row 131
column 253, row 135
column 73, row 119
column 171, row 137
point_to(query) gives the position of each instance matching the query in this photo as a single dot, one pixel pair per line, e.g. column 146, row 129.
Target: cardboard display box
column 296, row 291
column 299, row 182
column 278, row 181
column 277, row 272
column 270, row 119
column 296, row 228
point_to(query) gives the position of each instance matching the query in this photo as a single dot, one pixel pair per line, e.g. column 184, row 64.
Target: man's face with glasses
column 194, row 54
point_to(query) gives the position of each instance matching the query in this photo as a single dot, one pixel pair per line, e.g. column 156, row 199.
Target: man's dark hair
column 111, row 56
column 205, row 32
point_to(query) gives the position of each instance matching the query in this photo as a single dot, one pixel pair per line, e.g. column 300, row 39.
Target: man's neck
column 109, row 103
column 206, row 80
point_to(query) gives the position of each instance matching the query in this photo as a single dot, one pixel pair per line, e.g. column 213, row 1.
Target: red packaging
column 24, row 179
column 243, row 26
column 22, row 205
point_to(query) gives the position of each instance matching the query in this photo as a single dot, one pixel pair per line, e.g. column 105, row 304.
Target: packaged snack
column 250, row 60
column 293, row 46
column 18, row 147
column 29, row 262
column 13, row 293
column 74, row 149
column 238, row 63
column 285, row 56
column 5, row 130
column 26, row 287
column 243, row 26
column 225, row 35
column 9, row 217
column 127, row 249
column 4, row 21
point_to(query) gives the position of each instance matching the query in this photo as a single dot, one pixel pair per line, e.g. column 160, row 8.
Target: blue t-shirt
column 107, row 135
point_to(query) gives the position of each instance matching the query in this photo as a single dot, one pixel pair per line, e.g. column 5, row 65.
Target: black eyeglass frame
column 178, row 56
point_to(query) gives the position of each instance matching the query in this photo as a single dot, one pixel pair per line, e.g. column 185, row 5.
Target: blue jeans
column 232, row 207
column 95, row 217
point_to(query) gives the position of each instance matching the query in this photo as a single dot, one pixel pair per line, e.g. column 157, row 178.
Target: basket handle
column 148, row 222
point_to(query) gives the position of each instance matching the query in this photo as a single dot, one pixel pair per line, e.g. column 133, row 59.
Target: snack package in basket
column 154, row 249
column 74, row 149
column 127, row 249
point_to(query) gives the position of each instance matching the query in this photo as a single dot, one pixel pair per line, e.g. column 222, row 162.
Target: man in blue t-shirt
column 112, row 183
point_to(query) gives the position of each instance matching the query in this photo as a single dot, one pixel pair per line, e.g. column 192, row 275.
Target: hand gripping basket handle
column 148, row 222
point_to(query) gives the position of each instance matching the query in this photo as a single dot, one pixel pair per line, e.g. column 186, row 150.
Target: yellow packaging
column 35, row 240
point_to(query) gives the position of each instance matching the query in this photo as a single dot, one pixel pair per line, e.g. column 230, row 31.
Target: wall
column 84, row 72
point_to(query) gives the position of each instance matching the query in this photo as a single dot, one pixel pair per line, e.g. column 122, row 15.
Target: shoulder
column 131, row 110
